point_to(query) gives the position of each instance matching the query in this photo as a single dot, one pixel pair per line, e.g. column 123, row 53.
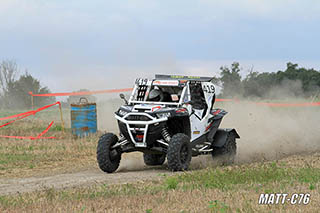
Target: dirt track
column 83, row 178
column 132, row 169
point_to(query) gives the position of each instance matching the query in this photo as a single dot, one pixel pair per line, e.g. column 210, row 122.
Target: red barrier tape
column 45, row 131
column 26, row 137
column 130, row 89
column 30, row 137
column 83, row 93
column 274, row 104
column 15, row 116
column 6, row 124
column 24, row 115
column 223, row 100
column 289, row 104
column 33, row 112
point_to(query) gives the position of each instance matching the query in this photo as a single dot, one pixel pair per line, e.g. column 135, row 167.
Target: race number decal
column 141, row 81
column 208, row 88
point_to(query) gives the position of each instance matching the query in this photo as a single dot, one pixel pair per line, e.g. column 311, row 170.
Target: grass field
column 43, row 157
column 23, row 158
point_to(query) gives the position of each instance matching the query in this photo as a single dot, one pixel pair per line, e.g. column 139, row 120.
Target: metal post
column 32, row 103
column 62, row 122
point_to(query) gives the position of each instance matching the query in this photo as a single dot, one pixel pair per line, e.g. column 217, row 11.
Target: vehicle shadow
column 197, row 163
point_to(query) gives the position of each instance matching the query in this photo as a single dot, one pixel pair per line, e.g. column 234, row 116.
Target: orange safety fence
column 273, row 104
column 83, row 93
column 217, row 100
column 98, row 92
column 277, row 104
column 288, row 104
column 224, row 100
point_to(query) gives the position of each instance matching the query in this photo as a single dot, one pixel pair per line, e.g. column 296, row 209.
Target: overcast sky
column 101, row 44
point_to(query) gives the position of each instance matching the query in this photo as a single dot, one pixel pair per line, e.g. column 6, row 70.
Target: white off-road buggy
column 168, row 117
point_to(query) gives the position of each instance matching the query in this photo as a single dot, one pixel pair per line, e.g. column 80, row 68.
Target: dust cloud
column 105, row 114
column 268, row 133
column 271, row 133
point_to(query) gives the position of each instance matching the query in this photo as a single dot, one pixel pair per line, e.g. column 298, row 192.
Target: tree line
column 294, row 81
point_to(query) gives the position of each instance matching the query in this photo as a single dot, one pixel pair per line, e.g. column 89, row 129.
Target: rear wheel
column 227, row 152
column 179, row 152
column 153, row 159
column 108, row 158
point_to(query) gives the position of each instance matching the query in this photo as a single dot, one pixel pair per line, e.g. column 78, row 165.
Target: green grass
column 171, row 182
column 218, row 206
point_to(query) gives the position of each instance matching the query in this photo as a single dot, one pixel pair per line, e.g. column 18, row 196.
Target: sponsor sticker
column 166, row 83
column 283, row 198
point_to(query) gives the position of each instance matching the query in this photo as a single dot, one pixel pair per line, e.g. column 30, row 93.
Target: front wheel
column 108, row 158
column 179, row 152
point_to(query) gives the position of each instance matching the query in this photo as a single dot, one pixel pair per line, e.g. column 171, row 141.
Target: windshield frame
column 149, row 85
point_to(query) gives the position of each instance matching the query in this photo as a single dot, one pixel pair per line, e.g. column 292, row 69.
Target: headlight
column 163, row 115
column 122, row 112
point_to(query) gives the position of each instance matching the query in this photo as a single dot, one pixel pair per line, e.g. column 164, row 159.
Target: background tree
column 18, row 92
column 8, row 74
column 15, row 88
column 231, row 80
column 294, row 81
column 257, row 84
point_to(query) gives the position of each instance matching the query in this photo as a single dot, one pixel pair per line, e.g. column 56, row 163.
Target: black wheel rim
column 184, row 153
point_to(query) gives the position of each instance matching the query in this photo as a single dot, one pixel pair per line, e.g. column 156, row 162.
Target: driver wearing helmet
column 155, row 95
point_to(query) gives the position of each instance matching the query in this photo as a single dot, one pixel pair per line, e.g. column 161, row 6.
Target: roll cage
column 142, row 88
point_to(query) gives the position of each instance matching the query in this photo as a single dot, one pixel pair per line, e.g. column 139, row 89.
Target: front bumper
column 140, row 133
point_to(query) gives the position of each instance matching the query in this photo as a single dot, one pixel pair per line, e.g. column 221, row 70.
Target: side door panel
column 199, row 124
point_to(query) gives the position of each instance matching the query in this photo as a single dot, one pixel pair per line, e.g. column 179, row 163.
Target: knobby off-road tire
column 226, row 154
column 179, row 152
column 105, row 161
column 153, row 159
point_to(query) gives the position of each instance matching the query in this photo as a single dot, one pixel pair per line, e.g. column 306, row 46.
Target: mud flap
column 213, row 129
column 221, row 135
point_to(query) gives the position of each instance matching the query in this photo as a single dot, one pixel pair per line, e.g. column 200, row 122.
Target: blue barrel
column 83, row 118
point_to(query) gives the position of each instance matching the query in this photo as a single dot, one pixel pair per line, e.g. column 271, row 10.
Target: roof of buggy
column 183, row 77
